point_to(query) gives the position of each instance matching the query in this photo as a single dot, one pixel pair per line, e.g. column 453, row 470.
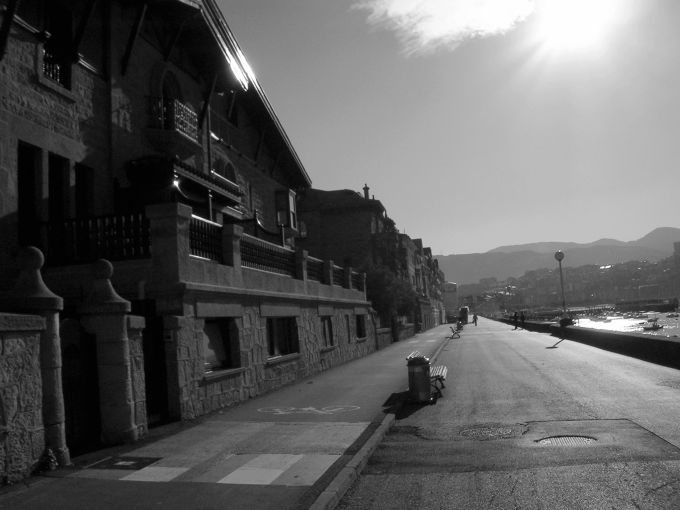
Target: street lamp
column 559, row 257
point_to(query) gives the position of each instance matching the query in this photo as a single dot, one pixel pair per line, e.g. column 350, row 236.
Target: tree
column 390, row 295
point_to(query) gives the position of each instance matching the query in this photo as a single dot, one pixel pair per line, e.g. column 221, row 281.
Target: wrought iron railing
column 55, row 68
column 315, row 269
column 205, row 238
column 259, row 254
column 338, row 276
column 172, row 114
column 357, row 281
column 114, row 237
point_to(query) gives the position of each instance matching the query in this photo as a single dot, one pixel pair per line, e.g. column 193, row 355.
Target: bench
column 455, row 333
column 437, row 374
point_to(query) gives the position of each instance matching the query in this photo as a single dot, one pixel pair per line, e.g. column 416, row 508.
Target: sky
column 481, row 123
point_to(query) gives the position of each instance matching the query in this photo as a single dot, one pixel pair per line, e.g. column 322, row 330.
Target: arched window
column 224, row 169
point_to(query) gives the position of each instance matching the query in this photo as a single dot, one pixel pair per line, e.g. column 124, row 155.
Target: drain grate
column 482, row 433
column 566, row 441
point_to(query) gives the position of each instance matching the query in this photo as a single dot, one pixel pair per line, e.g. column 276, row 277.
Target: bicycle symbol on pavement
column 307, row 410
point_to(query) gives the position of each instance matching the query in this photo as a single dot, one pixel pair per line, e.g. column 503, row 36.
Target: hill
column 513, row 261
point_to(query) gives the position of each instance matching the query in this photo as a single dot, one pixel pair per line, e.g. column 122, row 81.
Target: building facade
column 136, row 132
column 345, row 225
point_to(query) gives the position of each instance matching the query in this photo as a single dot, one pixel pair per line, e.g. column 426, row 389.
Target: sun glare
column 576, row 25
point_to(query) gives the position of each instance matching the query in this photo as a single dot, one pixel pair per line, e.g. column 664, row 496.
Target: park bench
column 437, row 374
column 455, row 333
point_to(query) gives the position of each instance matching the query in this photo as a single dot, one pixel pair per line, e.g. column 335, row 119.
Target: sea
column 637, row 323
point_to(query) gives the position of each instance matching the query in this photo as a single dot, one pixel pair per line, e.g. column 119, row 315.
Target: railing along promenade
column 171, row 231
column 661, row 350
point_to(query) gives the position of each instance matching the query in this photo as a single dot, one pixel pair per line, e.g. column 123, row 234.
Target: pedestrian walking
column 522, row 318
column 474, row 319
column 515, row 320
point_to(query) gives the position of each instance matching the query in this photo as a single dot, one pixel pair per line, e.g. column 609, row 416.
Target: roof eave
column 235, row 58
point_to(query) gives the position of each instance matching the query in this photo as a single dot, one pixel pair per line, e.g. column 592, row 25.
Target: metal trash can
column 418, row 377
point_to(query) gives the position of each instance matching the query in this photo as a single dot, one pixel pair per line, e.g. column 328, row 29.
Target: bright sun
column 576, row 25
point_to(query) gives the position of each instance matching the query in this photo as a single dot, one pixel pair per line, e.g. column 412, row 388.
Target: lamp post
column 559, row 256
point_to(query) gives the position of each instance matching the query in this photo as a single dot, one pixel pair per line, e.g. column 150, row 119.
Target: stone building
column 343, row 225
column 450, row 298
column 136, row 132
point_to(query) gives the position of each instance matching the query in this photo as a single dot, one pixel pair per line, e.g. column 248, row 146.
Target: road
column 524, row 423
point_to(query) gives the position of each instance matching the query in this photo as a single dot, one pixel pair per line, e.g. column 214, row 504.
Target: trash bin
column 418, row 377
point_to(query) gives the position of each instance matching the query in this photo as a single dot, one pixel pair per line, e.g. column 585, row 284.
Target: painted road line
column 262, row 470
column 155, row 474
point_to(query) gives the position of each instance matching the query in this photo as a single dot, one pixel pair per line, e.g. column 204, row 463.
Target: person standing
column 515, row 320
column 522, row 319
column 474, row 319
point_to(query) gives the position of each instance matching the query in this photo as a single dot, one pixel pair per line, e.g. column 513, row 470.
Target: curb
column 335, row 491
column 330, row 497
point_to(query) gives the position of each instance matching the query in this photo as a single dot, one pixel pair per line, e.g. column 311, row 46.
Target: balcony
column 82, row 240
column 169, row 247
column 173, row 127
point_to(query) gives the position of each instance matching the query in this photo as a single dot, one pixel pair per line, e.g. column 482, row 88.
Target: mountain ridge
column 514, row 260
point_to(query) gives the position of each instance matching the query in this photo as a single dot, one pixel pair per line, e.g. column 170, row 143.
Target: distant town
column 627, row 286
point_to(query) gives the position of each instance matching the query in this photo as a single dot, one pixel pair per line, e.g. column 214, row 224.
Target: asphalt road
column 526, row 424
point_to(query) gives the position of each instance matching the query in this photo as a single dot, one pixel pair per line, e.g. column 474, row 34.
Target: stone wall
column 135, row 327
column 22, row 438
column 193, row 392
column 655, row 349
column 384, row 337
column 406, row 331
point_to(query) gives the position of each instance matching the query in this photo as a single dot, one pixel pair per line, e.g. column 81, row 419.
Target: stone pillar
column 170, row 242
column 31, row 295
column 328, row 272
column 231, row 245
column 104, row 314
column 135, row 331
column 347, row 274
column 301, row 264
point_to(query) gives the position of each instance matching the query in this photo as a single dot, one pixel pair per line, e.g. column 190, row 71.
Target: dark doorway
column 155, row 373
column 80, row 382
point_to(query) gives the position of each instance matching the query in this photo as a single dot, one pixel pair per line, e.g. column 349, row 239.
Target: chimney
column 366, row 188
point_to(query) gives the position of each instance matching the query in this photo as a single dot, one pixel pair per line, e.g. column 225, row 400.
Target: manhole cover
column 566, row 441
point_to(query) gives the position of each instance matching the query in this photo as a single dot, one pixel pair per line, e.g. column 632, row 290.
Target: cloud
column 425, row 26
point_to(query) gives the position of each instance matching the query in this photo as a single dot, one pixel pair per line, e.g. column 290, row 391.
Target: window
column 349, row 329
column 58, row 50
column 361, row 326
column 286, row 209
column 282, row 336
column 327, row 330
column 221, row 344
column 84, row 191
column 58, row 185
column 29, row 164
column 224, row 169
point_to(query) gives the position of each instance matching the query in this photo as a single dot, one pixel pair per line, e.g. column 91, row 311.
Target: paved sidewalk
column 296, row 448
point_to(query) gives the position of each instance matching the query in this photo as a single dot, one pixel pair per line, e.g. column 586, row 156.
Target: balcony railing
column 205, row 238
column 315, row 269
column 260, row 254
column 338, row 276
column 114, row 237
column 173, row 226
column 172, row 114
column 357, row 281
column 56, row 69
